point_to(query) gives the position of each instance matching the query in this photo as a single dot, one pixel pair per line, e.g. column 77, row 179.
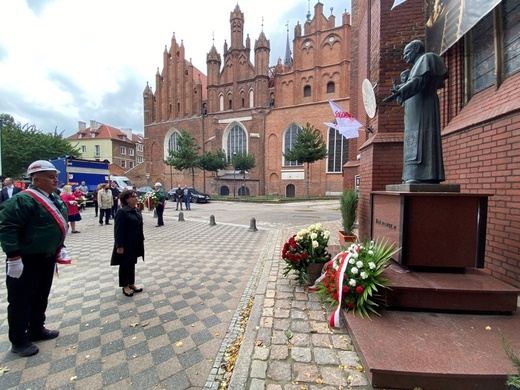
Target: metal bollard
column 181, row 217
column 252, row 225
column 212, row 220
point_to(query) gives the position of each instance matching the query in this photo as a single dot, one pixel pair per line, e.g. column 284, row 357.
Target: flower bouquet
column 149, row 200
column 307, row 247
column 81, row 201
column 353, row 278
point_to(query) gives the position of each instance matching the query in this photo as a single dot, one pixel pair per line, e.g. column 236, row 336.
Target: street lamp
column 234, row 174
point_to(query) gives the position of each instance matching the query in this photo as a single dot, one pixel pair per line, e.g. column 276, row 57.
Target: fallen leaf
column 359, row 368
column 86, row 357
column 488, row 327
column 73, row 378
column 179, row 344
column 145, row 324
column 288, row 333
column 135, row 337
column 319, row 381
column 3, row 370
column 134, row 355
column 134, row 324
column 216, row 334
column 258, row 342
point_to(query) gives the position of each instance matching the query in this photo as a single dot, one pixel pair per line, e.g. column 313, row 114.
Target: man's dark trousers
column 160, row 211
column 28, row 297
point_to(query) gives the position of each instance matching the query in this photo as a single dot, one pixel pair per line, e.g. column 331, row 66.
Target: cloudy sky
column 64, row 61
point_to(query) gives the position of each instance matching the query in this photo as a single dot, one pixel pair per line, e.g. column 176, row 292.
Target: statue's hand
column 392, row 97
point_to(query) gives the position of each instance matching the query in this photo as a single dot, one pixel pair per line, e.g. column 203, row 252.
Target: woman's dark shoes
column 130, row 294
column 44, row 334
column 24, row 350
column 75, row 231
column 136, row 290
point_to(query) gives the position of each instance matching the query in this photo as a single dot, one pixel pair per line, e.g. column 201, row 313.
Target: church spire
column 288, row 59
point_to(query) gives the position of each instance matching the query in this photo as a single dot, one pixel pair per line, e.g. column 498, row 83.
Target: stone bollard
column 252, row 225
column 181, row 217
column 212, row 220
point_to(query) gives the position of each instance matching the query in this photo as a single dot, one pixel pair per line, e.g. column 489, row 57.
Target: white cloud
column 62, row 61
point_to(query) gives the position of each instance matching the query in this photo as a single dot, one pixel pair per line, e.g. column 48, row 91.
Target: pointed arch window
column 173, row 142
column 337, row 151
column 236, row 141
column 289, row 141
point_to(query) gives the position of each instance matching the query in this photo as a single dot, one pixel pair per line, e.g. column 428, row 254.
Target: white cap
column 157, row 184
column 40, row 166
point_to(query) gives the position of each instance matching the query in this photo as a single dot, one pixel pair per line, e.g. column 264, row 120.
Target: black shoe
column 130, row 294
column 108, row 223
column 44, row 334
column 136, row 290
column 24, row 350
column 157, row 225
column 101, row 223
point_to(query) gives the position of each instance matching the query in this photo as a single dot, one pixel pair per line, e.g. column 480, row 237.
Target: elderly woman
column 129, row 241
column 71, row 201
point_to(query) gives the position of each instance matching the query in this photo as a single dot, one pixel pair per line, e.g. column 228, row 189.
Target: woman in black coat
column 129, row 241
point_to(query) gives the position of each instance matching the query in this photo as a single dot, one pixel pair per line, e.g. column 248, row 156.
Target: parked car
column 196, row 196
column 143, row 190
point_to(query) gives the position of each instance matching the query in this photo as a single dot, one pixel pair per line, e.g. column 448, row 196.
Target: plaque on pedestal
column 433, row 229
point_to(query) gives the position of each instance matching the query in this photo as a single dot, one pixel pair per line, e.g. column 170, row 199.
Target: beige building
column 100, row 142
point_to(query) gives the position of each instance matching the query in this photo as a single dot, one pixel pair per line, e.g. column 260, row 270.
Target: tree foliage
column 186, row 156
column 213, row 163
column 243, row 162
column 308, row 148
column 21, row 145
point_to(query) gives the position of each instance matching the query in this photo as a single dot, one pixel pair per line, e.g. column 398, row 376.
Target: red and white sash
column 56, row 215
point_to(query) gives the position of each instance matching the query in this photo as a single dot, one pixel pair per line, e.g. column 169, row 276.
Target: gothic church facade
column 247, row 106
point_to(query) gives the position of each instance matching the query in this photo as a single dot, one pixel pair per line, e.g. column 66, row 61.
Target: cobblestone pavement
column 197, row 282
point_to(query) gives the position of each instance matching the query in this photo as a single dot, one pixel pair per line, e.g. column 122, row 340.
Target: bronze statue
column 422, row 159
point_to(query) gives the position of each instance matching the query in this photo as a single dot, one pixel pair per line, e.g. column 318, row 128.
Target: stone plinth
column 433, row 229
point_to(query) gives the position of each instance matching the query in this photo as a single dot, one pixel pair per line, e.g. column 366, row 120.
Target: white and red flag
column 346, row 124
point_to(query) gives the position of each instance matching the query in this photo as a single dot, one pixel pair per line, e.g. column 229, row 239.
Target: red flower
column 350, row 305
column 345, row 289
column 304, row 256
column 359, row 289
column 335, row 296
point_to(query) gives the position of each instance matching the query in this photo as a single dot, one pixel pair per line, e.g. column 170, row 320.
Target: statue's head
column 413, row 50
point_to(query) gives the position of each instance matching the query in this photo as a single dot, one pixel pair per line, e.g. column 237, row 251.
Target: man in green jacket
column 161, row 200
column 33, row 226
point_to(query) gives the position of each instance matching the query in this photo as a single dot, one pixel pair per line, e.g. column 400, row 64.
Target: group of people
column 183, row 195
column 33, row 228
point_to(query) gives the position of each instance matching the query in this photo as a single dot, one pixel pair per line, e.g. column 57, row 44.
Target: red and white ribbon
column 344, row 258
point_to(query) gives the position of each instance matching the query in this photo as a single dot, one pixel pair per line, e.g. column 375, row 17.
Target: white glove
column 14, row 268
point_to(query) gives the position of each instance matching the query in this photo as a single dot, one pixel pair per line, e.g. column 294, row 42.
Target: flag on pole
column 346, row 124
column 396, row 3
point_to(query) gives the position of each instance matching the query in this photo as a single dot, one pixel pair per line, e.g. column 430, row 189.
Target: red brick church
column 245, row 105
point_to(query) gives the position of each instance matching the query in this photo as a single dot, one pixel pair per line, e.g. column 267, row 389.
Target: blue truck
column 73, row 171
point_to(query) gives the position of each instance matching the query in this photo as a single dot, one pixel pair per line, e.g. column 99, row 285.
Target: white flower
column 315, row 244
column 354, row 255
column 370, row 252
column 319, row 226
column 352, row 282
column 314, row 236
column 297, row 238
column 371, row 265
column 352, row 247
column 363, row 275
column 354, row 270
column 326, row 234
column 359, row 264
column 351, row 260
column 312, row 227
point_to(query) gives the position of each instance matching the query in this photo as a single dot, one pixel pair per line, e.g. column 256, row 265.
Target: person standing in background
column 161, row 199
column 33, row 227
column 72, row 204
column 115, row 194
column 106, row 202
column 8, row 190
column 187, row 197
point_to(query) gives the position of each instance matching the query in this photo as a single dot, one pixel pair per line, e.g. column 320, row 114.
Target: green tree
column 186, row 156
column 21, row 145
column 213, row 163
column 243, row 162
column 308, row 148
